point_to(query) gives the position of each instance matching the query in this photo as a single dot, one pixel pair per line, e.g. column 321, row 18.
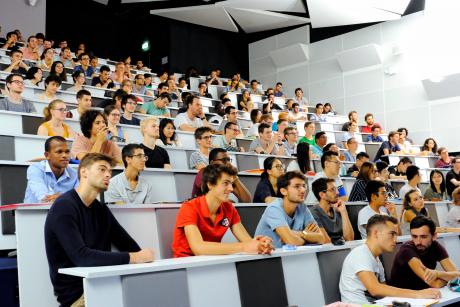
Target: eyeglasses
column 115, row 114
column 336, row 162
column 62, row 110
column 234, row 129
column 334, row 189
column 18, row 82
column 134, row 103
column 140, row 156
column 85, row 58
column 279, row 166
column 225, row 160
column 207, row 137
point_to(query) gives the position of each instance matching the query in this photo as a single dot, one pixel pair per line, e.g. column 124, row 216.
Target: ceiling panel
column 268, row 5
column 138, row 1
column 205, row 15
column 329, row 13
column 257, row 20
column 395, row 6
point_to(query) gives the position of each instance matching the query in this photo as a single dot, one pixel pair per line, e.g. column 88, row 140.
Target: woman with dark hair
column 384, row 175
column 302, row 163
column 168, row 137
column 34, row 77
column 366, row 173
column 405, row 134
column 46, row 59
column 58, row 69
column 93, row 125
column 267, row 188
column 437, row 190
column 245, row 98
column 255, row 116
column 328, row 110
column 79, row 80
column 429, row 147
column 114, row 133
column 413, row 206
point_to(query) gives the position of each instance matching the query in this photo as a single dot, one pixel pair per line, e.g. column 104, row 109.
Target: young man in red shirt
column 202, row 222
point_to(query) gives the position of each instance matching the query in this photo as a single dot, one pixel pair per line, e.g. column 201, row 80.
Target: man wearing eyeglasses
column 14, row 101
column 287, row 220
column 331, row 213
column 128, row 105
column 220, row 156
column 290, row 141
column 158, row 107
column 129, row 187
column 228, row 139
column 378, row 204
column 84, row 66
column 230, row 116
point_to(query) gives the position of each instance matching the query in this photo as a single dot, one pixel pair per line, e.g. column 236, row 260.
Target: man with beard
column 287, row 220
column 415, row 263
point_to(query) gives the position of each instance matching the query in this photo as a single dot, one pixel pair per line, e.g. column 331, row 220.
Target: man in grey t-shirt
column 331, row 213
column 14, row 102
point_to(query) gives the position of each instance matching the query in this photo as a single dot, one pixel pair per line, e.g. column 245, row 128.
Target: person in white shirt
column 193, row 118
column 453, row 217
column 363, row 277
column 83, row 102
column 378, row 204
column 413, row 178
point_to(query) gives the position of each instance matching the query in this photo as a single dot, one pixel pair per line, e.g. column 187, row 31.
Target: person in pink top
column 31, row 51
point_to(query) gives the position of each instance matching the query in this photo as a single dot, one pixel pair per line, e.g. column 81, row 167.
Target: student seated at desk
column 383, row 175
column 363, row 278
column 353, row 170
column 14, row 101
column 437, row 190
column 129, row 187
column 399, row 171
column 158, row 107
column 79, row 80
column 115, row 132
column 157, row 156
column 330, row 164
column 302, row 163
column 331, row 213
column 93, row 126
column 128, row 107
column 453, row 217
column 55, row 114
column 415, row 263
column 79, row 231
column 366, row 174
column 268, row 142
column 168, row 136
column 219, row 156
column 375, row 134
column 377, row 196
column 287, row 220
column 52, row 84
column 193, row 118
column 200, row 159
column 414, row 178
column 228, row 139
column 389, row 147
column 202, row 222
column 48, row 179
column 267, row 188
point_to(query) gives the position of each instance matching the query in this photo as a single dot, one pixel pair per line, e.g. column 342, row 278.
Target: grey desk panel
column 247, row 162
column 184, row 185
column 30, row 124
column 12, row 190
column 330, row 267
column 160, row 289
column 7, row 147
column 166, row 219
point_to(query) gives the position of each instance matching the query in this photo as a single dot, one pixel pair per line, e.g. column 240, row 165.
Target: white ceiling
column 212, row 16
column 278, row 6
column 261, row 15
column 330, row 13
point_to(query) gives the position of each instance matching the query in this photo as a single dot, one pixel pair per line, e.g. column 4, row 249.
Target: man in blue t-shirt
column 388, row 147
column 287, row 220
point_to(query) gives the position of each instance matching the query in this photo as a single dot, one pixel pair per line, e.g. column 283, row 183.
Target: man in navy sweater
column 79, row 231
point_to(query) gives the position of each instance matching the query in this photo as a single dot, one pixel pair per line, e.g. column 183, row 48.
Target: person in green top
column 158, row 107
column 309, row 134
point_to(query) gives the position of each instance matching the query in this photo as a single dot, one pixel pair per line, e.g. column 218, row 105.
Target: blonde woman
column 55, row 114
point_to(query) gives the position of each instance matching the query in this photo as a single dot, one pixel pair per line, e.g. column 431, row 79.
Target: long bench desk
column 282, row 279
column 151, row 226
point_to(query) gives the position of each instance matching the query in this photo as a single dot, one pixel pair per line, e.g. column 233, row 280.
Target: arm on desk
column 241, row 191
column 378, row 289
column 430, row 277
column 450, row 269
column 201, row 247
column 35, row 182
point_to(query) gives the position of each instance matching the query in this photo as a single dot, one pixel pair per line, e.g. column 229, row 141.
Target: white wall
column 397, row 100
column 15, row 14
